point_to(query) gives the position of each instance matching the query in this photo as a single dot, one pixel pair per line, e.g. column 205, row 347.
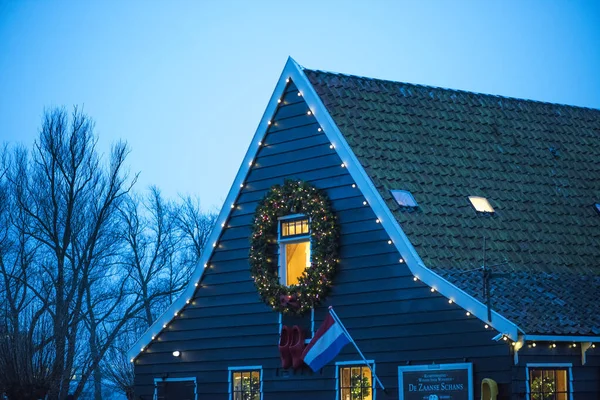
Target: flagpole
column 337, row 319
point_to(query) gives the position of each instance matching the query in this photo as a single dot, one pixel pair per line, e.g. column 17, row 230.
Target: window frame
column 407, row 195
column 481, row 199
column 186, row 379
column 281, row 242
column 553, row 366
column 244, row 368
column 355, row 363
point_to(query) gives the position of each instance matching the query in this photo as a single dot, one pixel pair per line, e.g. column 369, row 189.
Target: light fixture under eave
column 176, row 353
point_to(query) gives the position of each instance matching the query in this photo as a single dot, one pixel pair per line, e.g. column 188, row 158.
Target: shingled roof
column 537, row 163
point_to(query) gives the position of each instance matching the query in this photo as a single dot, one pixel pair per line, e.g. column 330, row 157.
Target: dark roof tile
column 537, row 163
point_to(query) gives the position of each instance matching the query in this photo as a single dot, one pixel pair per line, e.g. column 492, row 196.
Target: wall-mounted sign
column 436, row 382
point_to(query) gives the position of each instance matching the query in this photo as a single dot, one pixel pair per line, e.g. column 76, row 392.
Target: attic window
column 404, row 198
column 597, row 207
column 481, row 204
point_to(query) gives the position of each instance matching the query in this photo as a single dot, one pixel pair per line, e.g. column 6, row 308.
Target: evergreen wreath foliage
column 294, row 197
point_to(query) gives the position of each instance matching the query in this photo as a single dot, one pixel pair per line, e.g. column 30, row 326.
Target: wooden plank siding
column 395, row 320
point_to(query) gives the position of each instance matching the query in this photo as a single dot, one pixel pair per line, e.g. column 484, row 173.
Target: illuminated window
column 246, row 384
column 404, row 198
column 355, row 382
column 294, row 248
column 597, row 207
column 481, row 204
column 548, row 384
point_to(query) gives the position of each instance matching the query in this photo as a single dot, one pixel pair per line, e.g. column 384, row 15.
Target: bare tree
column 68, row 200
column 85, row 264
column 164, row 241
column 194, row 226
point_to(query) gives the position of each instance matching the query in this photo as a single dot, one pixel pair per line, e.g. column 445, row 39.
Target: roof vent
column 481, row 204
column 404, row 198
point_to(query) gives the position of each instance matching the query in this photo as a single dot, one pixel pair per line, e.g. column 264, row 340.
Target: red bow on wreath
column 290, row 301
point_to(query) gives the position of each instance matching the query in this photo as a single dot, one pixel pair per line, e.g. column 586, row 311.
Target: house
column 456, row 235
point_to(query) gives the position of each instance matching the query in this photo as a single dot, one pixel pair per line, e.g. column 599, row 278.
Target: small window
column 355, row 382
column 597, row 207
column 481, row 204
column 548, row 384
column 404, row 198
column 294, row 248
column 246, row 384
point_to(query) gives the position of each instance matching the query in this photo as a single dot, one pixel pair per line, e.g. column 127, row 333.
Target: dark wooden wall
column 394, row 320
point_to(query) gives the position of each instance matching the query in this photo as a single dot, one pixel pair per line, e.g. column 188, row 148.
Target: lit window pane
column 297, row 259
column 355, row 383
column 481, row 204
column 246, row 385
column 237, row 381
column 549, row 384
column 295, row 227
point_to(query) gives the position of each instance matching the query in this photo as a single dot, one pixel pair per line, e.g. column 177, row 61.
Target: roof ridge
column 461, row 91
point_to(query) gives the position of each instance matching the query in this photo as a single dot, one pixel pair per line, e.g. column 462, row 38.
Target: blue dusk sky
column 185, row 83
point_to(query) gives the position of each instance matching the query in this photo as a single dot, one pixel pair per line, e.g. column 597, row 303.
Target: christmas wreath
column 294, row 197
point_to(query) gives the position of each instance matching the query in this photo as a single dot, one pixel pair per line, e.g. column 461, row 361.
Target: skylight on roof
column 481, row 204
column 404, row 198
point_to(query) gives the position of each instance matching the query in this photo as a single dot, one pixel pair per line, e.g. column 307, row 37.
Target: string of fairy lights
column 328, row 271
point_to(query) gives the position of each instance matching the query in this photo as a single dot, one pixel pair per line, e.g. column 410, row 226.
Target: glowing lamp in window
column 481, row 204
column 404, row 198
column 294, row 248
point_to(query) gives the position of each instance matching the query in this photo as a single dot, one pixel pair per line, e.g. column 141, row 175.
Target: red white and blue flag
column 326, row 344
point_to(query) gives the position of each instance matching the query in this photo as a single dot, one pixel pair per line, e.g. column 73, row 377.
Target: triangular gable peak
column 294, row 73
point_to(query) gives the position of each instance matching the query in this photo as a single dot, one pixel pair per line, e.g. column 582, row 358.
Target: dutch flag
column 326, row 344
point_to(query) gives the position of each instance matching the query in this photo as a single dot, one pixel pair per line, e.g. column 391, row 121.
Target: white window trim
column 188, row 379
column 295, row 239
column 245, row 368
column 358, row 363
column 568, row 366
